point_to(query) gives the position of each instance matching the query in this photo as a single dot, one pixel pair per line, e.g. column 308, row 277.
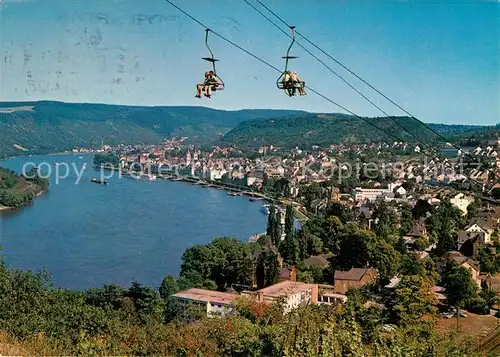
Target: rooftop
column 354, row 274
column 207, row 295
column 285, row 288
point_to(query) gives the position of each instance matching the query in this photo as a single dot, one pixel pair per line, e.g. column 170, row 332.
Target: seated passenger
column 298, row 83
column 288, row 84
column 203, row 87
column 214, row 81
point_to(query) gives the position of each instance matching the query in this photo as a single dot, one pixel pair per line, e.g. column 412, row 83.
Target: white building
column 371, row 194
column 294, row 294
column 216, row 303
column 462, row 201
column 476, row 228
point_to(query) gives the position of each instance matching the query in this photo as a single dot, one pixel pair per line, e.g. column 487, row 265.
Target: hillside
column 327, row 129
column 40, row 127
column 17, row 190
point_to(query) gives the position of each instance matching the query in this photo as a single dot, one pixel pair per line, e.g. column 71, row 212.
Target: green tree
column 274, row 224
column 460, row 289
column 272, row 268
column 406, row 221
column 386, row 221
column 168, row 287
column 355, row 249
column 225, row 261
column 289, row 219
column 444, row 224
column 412, row 298
column 147, row 302
column 386, row 259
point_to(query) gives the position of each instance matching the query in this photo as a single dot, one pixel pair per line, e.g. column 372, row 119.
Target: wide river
column 88, row 235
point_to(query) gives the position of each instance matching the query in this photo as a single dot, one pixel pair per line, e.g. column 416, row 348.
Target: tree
column 421, row 209
column 168, row 287
column 355, row 249
column 289, row 248
column 412, row 298
column 496, row 193
column 443, row 225
column 386, row 222
column 225, row 261
column 267, row 269
column 406, row 221
column 274, row 224
column 460, row 289
column 386, row 259
column 272, row 269
column 289, row 220
column 147, row 302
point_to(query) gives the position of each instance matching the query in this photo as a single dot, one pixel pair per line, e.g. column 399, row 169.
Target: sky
column 437, row 59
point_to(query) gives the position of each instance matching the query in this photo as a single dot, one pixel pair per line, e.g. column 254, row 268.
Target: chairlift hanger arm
column 211, row 58
column 287, row 57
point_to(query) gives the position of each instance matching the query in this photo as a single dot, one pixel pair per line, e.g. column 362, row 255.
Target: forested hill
column 327, row 129
column 44, row 126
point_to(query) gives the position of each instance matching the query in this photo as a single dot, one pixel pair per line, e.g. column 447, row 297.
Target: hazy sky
column 439, row 60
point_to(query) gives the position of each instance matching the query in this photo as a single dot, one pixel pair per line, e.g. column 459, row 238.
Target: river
column 87, row 235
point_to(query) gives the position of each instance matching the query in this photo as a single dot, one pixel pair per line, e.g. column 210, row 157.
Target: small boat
column 103, row 182
column 265, row 209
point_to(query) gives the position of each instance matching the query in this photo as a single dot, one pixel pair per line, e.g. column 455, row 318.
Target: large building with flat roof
column 293, row 293
column 216, row 303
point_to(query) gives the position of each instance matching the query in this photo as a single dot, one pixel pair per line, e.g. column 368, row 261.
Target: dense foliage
column 16, row 190
column 56, row 126
column 324, row 130
column 40, row 320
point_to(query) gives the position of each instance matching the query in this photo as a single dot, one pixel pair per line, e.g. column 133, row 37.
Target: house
column 462, row 201
column 287, row 274
column 463, row 262
column 418, row 231
column 477, row 226
column 216, row 303
column 293, row 294
column 255, row 177
column 493, row 283
column 469, row 242
column 354, row 278
column 328, row 296
column 318, row 205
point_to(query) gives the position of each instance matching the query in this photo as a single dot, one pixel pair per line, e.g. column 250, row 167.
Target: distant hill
column 41, row 127
column 326, row 129
column 481, row 137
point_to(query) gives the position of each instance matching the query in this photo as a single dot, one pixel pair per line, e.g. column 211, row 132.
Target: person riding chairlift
column 298, row 83
column 211, row 83
column 203, row 87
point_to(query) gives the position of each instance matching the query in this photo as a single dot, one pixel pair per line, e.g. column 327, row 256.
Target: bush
column 479, row 306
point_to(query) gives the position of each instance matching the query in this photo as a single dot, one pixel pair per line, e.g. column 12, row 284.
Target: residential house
column 293, row 294
column 463, row 262
column 418, row 231
column 354, row 278
column 328, row 296
column 216, row 303
column 469, row 243
column 477, row 226
column 493, row 283
column 287, row 274
column 255, row 177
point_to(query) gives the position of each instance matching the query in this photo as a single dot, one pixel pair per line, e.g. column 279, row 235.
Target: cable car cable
column 343, row 79
column 311, row 89
column 368, row 84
